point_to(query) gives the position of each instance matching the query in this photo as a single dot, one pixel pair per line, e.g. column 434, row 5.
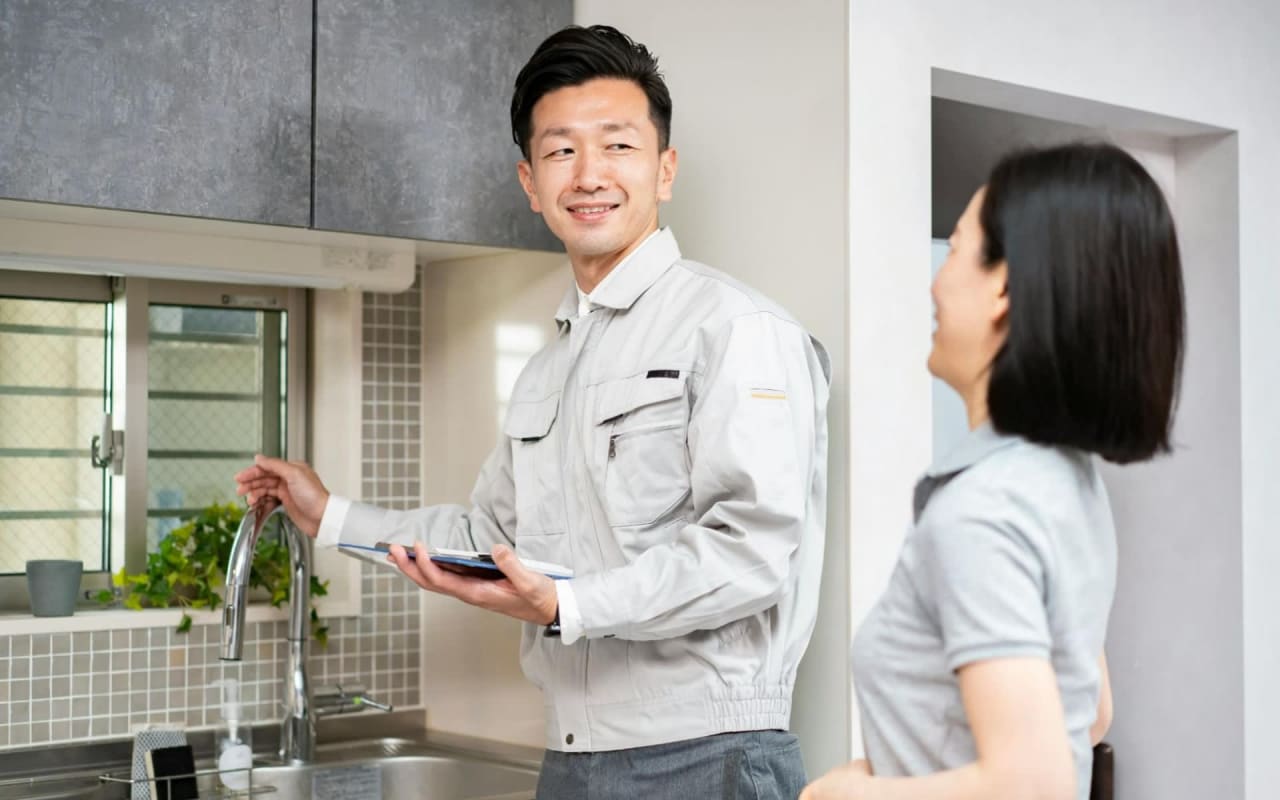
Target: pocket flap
column 532, row 419
column 627, row 394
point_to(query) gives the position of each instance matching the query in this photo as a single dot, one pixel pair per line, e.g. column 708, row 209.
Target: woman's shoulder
column 1024, row 485
column 1028, row 467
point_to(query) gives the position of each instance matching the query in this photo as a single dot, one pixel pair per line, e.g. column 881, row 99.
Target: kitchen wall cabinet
column 206, row 110
column 172, row 106
column 412, row 131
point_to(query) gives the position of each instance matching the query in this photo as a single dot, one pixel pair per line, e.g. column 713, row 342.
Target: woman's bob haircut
column 1093, row 355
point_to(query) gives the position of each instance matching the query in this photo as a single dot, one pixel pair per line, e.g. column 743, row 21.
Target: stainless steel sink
column 360, row 765
column 396, row 770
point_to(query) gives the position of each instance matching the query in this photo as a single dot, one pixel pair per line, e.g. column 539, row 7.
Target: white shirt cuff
column 335, row 514
column 571, row 628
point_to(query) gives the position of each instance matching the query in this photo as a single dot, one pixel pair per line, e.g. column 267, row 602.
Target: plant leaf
column 186, row 569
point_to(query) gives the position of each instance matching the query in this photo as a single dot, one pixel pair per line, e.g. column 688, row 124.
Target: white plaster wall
column 759, row 90
column 1208, row 64
column 482, row 318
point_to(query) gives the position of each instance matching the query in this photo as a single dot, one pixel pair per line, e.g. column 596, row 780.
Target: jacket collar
column 634, row 275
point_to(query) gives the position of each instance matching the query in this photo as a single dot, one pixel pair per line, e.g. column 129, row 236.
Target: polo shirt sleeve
column 983, row 574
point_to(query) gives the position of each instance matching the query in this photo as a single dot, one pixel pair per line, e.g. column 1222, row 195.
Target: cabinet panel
column 176, row 106
column 413, row 134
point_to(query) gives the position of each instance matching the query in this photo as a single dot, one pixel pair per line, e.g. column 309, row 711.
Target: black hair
column 574, row 55
column 1093, row 354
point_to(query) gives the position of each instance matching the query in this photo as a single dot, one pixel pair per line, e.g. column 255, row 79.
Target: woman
column 979, row 673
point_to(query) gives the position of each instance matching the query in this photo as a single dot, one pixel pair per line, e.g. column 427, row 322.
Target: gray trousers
column 755, row 765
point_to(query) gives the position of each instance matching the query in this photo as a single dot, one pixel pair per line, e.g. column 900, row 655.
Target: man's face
column 594, row 171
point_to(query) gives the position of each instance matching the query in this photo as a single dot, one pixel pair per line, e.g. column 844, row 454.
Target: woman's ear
column 999, row 277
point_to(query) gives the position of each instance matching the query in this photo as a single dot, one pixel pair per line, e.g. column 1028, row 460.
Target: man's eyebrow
column 607, row 127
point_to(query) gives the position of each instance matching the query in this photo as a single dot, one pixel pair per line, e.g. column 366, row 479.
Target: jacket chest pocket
column 535, row 467
column 643, row 422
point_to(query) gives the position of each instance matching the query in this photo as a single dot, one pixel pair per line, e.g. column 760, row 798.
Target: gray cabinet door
column 195, row 107
column 413, row 132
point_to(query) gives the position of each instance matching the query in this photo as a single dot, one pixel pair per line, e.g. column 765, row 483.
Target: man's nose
column 590, row 173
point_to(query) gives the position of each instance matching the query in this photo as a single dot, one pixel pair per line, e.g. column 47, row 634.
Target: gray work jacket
column 670, row 447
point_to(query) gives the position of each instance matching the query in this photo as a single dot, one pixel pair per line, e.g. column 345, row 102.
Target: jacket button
column 568, row 739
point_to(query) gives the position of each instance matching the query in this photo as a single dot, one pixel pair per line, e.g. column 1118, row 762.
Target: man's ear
column 668, row 162
column 524, row 170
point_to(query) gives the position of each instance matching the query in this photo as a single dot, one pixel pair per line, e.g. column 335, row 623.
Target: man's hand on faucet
column 293, row 482
column 524, row 594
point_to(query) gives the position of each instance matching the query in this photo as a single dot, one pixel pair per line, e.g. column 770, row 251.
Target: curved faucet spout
column 239, row 566
column 298, row 727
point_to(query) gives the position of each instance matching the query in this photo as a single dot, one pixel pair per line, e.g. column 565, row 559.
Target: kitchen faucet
column 298, row 729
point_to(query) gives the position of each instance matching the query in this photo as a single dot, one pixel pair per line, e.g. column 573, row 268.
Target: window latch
column 107, row 449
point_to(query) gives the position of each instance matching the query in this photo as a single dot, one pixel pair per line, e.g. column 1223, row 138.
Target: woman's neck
column 975, row 402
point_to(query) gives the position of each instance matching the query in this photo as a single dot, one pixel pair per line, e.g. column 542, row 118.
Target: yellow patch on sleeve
column 768, row 394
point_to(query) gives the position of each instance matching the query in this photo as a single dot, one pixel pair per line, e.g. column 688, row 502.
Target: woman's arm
column 1103, row 723
column 1015, row 713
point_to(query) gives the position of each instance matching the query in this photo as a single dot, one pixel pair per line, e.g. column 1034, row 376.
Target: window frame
column 127, row 398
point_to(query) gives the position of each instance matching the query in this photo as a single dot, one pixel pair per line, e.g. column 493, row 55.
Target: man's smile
column 590, row 212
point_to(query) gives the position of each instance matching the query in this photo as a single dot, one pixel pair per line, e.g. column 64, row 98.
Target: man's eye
column 620, row 146
column 563, row 152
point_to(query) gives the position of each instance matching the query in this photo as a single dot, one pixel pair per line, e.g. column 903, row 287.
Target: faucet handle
column 344, row 699
column 366, row 701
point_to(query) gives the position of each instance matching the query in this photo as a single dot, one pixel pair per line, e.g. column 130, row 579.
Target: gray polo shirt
column 1012, row 554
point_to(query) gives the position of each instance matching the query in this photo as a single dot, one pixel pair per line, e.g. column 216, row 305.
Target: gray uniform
column 670, row 447
column 1013, row 554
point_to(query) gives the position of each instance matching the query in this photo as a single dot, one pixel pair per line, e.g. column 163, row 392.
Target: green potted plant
column 187, row 570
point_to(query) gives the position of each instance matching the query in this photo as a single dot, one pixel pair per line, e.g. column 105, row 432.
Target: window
column 54, row 383
column 199, row 377
column 216, row 394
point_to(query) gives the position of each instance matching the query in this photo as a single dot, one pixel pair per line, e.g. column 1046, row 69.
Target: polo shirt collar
column 980, row 442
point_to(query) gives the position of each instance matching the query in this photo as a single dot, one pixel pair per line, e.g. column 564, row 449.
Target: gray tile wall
column 73, row 686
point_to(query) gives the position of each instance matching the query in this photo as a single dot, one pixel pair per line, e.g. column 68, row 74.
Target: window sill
column 116, row 619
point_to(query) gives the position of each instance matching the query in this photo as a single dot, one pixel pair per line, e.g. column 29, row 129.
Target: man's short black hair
column 1093, row 357
column 574, row 55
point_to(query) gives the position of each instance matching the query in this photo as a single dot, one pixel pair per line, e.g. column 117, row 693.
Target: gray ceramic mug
column 53, row 585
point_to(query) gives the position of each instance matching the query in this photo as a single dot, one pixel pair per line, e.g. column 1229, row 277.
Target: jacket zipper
column 613, row 440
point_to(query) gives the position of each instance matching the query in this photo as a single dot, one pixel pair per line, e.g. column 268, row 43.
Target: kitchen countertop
column 64, row 767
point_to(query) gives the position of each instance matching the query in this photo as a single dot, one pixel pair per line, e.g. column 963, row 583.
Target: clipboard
column 471, row 563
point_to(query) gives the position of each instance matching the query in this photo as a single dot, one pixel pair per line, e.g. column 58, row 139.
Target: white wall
column 1169, row 58
column 482, row 318
column 759, row 93
column 1176, row 628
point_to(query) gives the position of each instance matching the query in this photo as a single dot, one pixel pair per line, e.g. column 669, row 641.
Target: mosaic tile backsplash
column 75, row 686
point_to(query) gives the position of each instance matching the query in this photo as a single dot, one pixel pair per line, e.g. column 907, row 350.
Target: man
column 669, row 446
